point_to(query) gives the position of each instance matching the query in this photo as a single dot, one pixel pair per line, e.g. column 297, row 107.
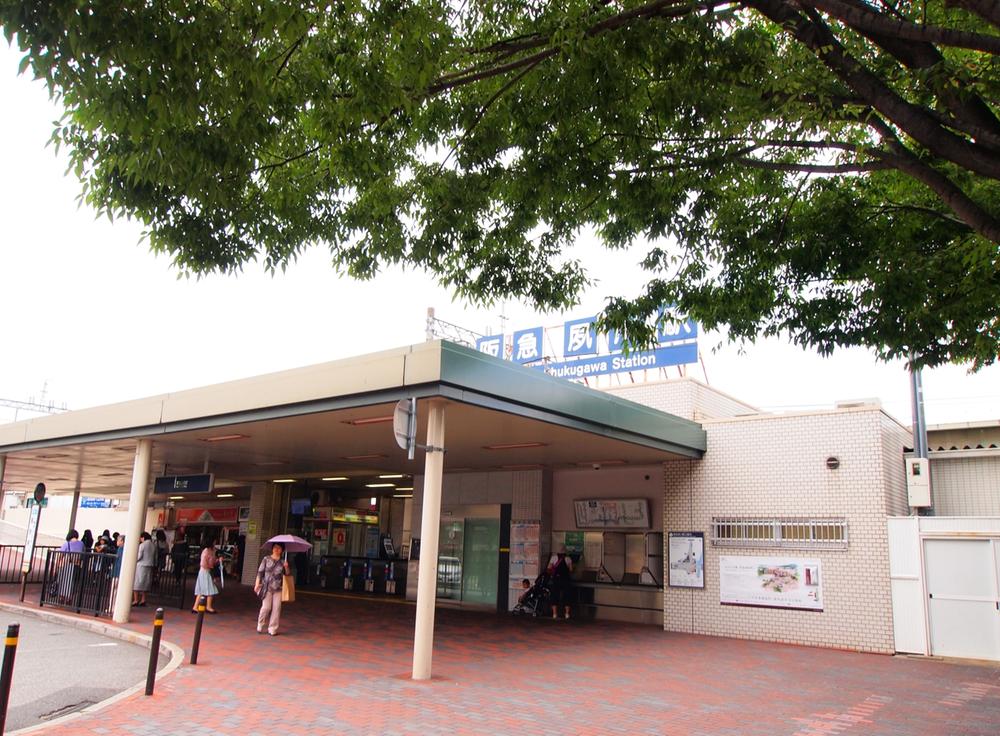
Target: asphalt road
column 60, row 669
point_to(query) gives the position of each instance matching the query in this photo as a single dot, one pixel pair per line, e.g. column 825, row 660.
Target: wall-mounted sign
column 686, row 559
column 95, row 503
column 775, row 582
column 612, row 513
column 201, row 483
column 207, row 516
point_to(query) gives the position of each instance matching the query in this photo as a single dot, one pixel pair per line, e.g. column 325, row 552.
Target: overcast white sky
column 90, row 313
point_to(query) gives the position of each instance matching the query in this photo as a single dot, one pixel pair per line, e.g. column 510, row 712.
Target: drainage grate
column 66, row 710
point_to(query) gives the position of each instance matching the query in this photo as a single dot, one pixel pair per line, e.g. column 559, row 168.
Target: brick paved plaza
column 341, row 666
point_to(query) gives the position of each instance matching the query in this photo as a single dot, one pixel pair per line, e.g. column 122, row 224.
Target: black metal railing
column 11, row 557
column 85, row 582
column 79, row 581
column 169, row 587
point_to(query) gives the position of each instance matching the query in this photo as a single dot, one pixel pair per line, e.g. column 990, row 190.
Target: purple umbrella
column 290, row 542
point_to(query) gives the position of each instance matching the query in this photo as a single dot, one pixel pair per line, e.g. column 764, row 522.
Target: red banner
column 206, row 516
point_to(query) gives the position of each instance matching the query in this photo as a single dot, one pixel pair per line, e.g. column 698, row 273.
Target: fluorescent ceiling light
column 369, row 420
column 268, row 463
column 283, row 480
column 224, row 495
column 406, row 488
column 372, row 456
column 225, row 437
column 514, row 446
column 380, row 485
column 402, row 495
column 177, row 498
column 336, row 477
column 392, row 475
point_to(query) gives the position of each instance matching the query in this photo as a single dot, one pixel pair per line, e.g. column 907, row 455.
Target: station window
column 803, row 533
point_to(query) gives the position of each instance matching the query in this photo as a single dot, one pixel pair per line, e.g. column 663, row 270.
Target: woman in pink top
column 204, row 585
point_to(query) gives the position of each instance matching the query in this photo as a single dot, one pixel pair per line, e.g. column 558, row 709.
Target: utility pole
column 917, row 399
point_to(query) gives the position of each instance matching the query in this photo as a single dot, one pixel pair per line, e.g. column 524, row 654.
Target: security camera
column 597, row 466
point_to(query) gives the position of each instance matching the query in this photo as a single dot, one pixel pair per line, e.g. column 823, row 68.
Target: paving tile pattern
column 342, row 666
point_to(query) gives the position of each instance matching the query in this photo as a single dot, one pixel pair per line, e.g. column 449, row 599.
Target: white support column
column 3, row 502
column 430, row 526
column 72, row 511
column 136, row 519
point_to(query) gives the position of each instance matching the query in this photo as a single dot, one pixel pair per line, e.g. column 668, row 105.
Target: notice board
column 612, row 513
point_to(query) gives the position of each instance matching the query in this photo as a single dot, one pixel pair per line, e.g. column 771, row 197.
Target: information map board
column 612, row 513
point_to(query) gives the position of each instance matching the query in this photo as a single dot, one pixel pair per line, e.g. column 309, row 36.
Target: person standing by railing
column 69, row 566
column 119, row 553
column 162, row 551
column 145, row 563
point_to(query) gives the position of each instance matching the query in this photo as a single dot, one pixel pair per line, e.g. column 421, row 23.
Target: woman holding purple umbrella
column 268, row 588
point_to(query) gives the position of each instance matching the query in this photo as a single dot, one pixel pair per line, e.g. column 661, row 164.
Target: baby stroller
column 535, row 600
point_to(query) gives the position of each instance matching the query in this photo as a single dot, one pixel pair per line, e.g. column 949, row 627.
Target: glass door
column 451, row 550
column 482, row 551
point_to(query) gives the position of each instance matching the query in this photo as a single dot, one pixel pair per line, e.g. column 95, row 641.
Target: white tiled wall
column 776, row 466
column 685, row 398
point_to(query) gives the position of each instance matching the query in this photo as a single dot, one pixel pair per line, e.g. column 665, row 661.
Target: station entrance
column 492, row 435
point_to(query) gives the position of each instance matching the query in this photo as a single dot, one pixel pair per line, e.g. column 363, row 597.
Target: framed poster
column 773, row 582
column 686, row 559
column 612, row 513
column 244, row 514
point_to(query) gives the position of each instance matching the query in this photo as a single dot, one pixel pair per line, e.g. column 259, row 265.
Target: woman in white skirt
column 204, row 585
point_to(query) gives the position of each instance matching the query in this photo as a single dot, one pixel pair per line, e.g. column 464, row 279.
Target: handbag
column 287, row 588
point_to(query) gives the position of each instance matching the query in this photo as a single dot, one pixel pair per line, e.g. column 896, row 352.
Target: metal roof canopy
column 326, row 420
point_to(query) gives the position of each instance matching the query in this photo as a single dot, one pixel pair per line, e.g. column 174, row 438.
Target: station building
column 682, row 507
